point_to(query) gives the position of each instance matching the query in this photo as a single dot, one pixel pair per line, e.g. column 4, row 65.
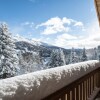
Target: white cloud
column 89, row 39
column 49, row 30
column 66, row 36
column 66, row 21
column 55, row 29
column 30, row 24
column 79, row 24
column 56, row 25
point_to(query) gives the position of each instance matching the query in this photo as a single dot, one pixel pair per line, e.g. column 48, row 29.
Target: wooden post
column 73, row 94
column 98, row 79
column 68, row 95
column 77, row 92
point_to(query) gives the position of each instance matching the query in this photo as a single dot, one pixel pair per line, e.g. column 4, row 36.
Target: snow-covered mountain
column 31, row 41
column 35, row 55
column 33, row 45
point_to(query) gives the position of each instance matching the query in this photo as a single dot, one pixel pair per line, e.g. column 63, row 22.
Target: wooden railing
column 85, row 88
column 79, row 81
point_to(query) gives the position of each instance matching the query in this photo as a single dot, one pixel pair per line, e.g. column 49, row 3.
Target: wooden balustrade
column 85, row 88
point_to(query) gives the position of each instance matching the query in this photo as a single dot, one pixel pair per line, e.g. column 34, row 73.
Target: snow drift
column 37, row 85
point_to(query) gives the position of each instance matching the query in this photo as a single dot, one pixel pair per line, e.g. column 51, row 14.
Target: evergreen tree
column 62, row 56
column 29, row 62
column 95, row 54
column 72, row 56
column 8, row 57
column 56, row 59
column 84, row 56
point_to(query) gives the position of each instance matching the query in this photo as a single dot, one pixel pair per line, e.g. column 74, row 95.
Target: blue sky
column 65, row 23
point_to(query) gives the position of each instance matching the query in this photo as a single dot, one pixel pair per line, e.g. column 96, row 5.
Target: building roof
column 97, row 5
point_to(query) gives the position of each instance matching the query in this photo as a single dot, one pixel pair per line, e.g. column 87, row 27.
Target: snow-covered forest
column 19, row 55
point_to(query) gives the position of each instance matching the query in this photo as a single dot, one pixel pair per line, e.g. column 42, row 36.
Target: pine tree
column 29, row 62
column 84, row 56
column 95, row 54
column 72, row 56
column 62, row 56
column 8, row 58
column 56, row 59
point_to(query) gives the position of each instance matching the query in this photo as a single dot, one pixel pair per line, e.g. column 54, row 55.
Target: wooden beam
column 97, row 2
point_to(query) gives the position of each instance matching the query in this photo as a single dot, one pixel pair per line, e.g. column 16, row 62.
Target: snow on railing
column 37, row 85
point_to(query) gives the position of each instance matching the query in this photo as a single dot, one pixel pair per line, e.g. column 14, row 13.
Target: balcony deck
column 85, row 88
column 79, row 81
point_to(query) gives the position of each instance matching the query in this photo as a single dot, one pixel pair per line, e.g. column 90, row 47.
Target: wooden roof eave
column 97, row 10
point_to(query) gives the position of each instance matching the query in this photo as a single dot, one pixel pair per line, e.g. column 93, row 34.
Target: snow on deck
column 37, row 85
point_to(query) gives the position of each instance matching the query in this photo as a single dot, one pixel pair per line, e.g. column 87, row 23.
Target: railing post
column 68, row 95
column 73, row 94
column 77, row 92
column 98, row 79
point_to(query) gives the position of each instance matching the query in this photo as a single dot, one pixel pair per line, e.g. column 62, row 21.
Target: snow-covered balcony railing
column 71, row 82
